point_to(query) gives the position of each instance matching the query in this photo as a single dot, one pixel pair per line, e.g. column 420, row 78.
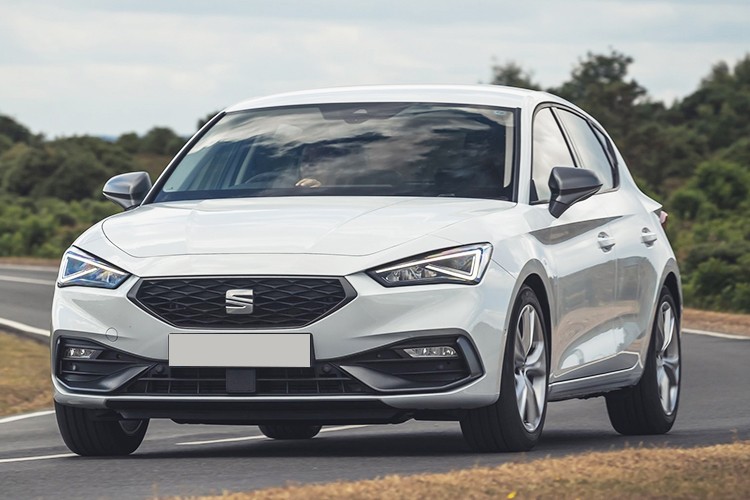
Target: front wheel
column 88, row 436
column 515, row 421
column 650, row 407
column 290, row 431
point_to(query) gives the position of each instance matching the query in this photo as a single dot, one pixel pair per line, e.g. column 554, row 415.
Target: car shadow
column 445, row 444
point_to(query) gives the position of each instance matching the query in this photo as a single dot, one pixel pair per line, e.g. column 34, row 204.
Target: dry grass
column 25, row 383
column 738, row 324
column 716, row 471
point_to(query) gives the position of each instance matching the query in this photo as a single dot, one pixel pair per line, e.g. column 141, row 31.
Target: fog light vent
column 431, row 352
column 79, row 353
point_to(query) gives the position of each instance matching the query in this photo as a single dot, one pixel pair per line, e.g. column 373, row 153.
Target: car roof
column 489, row 95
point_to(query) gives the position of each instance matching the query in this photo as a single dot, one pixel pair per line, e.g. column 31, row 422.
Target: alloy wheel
column 530, row 367
column 667, row 358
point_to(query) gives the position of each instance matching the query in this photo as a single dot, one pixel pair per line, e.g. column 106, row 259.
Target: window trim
column 540, row 107
column 608, row 150
column 167, row 172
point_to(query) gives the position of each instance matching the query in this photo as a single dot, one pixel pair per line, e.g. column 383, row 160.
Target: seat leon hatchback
column 371, row 255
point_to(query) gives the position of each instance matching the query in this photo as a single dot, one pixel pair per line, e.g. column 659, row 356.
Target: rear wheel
column 650, row 407
column 290, row 431
column 515, row 421
column 87, row 436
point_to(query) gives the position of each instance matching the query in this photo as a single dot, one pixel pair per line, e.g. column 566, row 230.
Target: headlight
column 82, row 269
column 464, row 265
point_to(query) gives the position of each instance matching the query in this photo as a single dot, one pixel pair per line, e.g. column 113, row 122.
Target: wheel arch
column 534, row 281
column 534, row 275
column 671, row 281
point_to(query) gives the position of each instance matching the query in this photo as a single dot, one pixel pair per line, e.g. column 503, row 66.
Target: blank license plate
column 256, row 350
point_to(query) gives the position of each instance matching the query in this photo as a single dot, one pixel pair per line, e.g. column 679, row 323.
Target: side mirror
column 569, row 185
column 128, row 190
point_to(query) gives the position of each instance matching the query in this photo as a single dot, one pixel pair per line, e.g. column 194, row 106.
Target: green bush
column 45, row 227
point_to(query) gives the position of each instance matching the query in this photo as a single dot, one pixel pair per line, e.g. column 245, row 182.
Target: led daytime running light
column 463, row 265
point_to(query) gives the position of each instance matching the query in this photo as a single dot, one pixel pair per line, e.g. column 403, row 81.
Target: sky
column 106, row 67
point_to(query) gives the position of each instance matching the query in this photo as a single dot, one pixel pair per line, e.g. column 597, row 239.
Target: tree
column 600, row 86
column 161, row 141
column 14, row 130
column 720, row 107
column 129, row 142
column 23, row 166
column 80, row 175
column 512, row 74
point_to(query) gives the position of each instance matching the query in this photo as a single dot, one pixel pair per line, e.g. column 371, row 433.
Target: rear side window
column 588, row 147
column 549, row 150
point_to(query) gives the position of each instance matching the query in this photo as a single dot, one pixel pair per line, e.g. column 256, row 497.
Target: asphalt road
column 188, row 460
column 26, row 294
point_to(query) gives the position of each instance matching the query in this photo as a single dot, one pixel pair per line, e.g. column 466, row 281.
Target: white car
column 372, row 255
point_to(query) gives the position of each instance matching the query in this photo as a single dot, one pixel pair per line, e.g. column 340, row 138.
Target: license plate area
column 240, row 350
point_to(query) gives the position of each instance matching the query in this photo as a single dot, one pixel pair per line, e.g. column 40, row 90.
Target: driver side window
column 549, row 150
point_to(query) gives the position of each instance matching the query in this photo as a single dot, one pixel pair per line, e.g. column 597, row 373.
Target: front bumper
column 377, row 318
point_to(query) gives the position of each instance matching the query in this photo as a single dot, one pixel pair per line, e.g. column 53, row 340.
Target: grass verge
column 716, row 471
column 24, row 375
column 713, row 321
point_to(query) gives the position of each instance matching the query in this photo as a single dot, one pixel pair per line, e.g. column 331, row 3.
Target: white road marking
column 31, row 459
column 715, row 334
column 15, row 325
column 252, row 438
column 30, row 281
column 16, row 418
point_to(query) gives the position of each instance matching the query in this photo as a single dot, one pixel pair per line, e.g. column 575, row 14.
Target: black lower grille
column 285, row 302
column 88, row 366
column 111, row 371
column 323, row 379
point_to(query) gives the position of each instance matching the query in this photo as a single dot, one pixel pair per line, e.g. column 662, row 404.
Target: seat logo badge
column 239, row 302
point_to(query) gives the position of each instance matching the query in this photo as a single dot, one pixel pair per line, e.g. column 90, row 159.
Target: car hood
column 306, row 225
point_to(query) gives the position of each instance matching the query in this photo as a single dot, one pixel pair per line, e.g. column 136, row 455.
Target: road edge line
column 24, row 416
column 28, row 331
column 719, row 335
column 35, row 458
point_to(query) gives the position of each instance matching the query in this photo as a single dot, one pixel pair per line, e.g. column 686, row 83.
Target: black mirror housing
column 569, row 185
column 128, row 190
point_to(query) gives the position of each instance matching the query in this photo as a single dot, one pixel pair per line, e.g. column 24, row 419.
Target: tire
column 650, row 407
column 86, row 436
column 514, row 422
column 290, row 431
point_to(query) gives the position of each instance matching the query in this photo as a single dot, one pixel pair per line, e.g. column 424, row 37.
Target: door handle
column 648, row 237
column 606, row 242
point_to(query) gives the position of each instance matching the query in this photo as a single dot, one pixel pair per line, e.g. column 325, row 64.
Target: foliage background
column 693, row 155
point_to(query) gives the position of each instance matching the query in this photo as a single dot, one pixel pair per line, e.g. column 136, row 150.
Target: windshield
column 369, row 149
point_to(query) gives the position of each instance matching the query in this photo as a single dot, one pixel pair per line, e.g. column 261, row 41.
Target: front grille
column 322, row 379
column 277, row 302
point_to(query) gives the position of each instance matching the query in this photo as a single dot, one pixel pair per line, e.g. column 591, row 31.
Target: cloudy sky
column 108, row 67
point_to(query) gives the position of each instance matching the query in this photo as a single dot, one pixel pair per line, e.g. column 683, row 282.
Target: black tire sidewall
column 507, row 403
